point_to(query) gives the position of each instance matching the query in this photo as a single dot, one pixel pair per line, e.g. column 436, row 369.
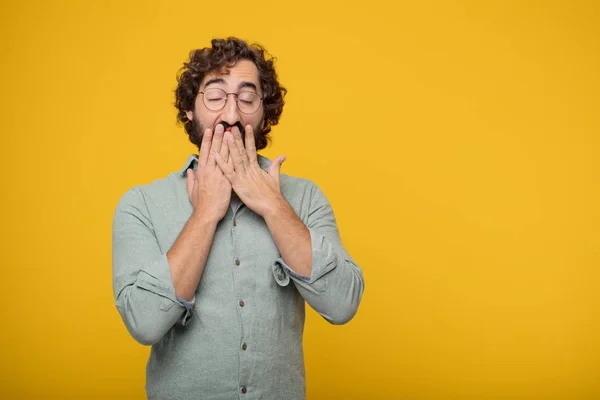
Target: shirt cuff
column 189, row 307
column 279, row 273
column 282, row 266
column 323, row 261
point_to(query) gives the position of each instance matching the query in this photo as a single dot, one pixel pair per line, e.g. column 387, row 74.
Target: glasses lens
column 248, row 102
column 214, row 99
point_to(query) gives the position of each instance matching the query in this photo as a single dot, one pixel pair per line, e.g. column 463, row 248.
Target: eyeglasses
column 215, row 99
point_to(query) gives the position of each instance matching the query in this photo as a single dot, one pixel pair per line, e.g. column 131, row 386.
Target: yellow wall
column 458, row 145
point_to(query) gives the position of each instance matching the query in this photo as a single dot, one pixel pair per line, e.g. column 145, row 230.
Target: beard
column 198, row 130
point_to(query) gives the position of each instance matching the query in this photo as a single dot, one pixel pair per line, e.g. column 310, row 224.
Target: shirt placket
column 242, row 283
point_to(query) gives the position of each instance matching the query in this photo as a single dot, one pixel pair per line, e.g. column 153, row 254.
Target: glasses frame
column 237, row 101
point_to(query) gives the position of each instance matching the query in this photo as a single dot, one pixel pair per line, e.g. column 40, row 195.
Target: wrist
column 205, row 218
column 276, row 209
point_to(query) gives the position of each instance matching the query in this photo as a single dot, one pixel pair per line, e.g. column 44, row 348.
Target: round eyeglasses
column 215, row 99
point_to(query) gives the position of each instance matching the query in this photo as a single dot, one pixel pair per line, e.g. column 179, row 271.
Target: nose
column 230, row 113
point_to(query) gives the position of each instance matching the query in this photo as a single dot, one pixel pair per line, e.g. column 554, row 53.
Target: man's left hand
column 259, row 190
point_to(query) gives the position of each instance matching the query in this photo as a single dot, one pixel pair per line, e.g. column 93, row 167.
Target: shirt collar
column 192, row 162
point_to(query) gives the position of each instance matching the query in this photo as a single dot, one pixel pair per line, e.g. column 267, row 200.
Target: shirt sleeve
column 335, row 286
column 143, row 288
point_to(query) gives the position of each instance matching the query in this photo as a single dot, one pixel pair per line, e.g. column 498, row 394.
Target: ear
column 190, row 115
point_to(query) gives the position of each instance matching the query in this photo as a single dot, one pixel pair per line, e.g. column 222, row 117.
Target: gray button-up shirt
column 241, row 337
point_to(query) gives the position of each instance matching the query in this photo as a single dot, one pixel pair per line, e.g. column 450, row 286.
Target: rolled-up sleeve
column 336, row 284
column 142, row 284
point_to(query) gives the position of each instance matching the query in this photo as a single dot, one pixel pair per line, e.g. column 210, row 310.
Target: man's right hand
column 209, row 190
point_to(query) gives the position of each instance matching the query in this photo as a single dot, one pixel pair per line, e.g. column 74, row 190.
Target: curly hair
column 222, row 55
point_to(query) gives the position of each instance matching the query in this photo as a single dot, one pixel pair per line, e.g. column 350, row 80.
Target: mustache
column 238, row 124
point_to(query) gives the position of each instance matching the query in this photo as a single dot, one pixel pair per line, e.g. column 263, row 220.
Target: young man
column 213, row 264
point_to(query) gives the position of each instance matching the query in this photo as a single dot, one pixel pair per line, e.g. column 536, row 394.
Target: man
column 212, row 265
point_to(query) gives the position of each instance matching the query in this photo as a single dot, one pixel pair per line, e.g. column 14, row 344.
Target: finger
column 205, row 147
column 234, row 153
column 226, row 167
column 230, row 161
column 275, row 167
column 189, row 180
column 216, row 144
column 237, row 137
column 250, row 144
column 228, row 149
column 225, row 150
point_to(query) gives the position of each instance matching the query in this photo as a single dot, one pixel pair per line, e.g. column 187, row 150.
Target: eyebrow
column 247, row 85
column 213, row 81
column 242, row 85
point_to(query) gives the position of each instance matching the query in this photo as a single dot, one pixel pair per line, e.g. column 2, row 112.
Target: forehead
column 242, row 71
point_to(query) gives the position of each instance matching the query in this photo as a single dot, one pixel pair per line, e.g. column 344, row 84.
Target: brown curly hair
column 223, row 54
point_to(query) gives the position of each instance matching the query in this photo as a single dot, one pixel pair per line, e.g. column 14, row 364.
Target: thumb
column 189, row 181
column 275, row 167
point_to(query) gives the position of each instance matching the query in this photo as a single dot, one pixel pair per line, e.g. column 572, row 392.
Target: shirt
column 241, row 335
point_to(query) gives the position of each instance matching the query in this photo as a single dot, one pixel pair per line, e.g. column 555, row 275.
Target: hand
column 260, row 191
column 208, row 188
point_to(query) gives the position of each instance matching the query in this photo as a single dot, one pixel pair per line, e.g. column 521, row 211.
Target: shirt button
column 234, row 222
column 244, row 389
column 244, row 347
column 237, row 262
column 242, row 303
